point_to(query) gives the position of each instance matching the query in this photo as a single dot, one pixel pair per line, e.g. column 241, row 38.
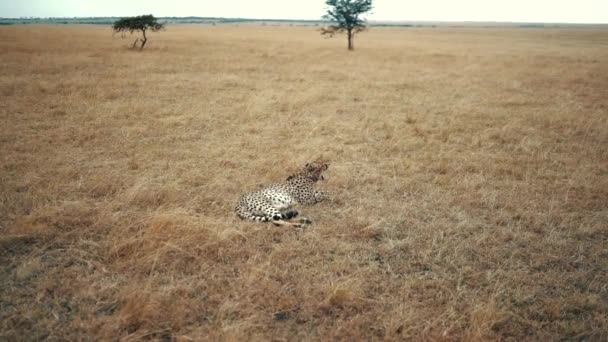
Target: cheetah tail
column 246, row 215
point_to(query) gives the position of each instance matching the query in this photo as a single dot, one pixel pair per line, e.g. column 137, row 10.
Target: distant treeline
column 165, row 20
column 181, row 20
column 290, row 22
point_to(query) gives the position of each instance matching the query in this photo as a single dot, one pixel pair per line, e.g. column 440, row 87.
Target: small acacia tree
column 346, row 16
column 140, row 23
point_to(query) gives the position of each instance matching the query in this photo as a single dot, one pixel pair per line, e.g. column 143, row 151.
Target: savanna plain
column 469, row 182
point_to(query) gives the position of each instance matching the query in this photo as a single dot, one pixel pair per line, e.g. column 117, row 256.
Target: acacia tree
column 345, row 16
column 140, row 23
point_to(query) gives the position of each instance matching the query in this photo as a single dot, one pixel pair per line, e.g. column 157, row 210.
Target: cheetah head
column 313, row 171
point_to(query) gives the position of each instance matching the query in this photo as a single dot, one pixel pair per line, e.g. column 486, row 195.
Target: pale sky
column 563, row 11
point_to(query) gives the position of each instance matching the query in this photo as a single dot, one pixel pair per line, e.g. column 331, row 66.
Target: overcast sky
column 565, row 11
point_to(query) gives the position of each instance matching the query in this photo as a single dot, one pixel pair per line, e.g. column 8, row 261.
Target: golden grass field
column 469, row 173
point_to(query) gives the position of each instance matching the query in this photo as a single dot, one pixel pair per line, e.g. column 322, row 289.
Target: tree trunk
column 350, row 39
column 143, row 42
column 134, row 43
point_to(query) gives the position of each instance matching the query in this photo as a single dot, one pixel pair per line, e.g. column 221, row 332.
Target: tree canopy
column 139, row 23
column 346, row 16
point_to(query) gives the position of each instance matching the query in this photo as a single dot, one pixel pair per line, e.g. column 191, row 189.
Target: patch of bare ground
column 469, row 170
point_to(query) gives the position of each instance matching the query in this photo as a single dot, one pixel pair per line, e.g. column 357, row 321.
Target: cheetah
column 274, row 202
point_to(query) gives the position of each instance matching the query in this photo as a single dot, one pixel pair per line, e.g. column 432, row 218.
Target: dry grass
column 469, row 166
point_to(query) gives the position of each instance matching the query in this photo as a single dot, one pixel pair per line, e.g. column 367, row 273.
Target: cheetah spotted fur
column 275, row 202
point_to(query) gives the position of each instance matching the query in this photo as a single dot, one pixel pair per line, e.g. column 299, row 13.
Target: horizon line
column 318, row 20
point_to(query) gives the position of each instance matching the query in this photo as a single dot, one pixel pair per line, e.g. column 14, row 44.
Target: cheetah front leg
column 301, row 222
column 286, row 223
